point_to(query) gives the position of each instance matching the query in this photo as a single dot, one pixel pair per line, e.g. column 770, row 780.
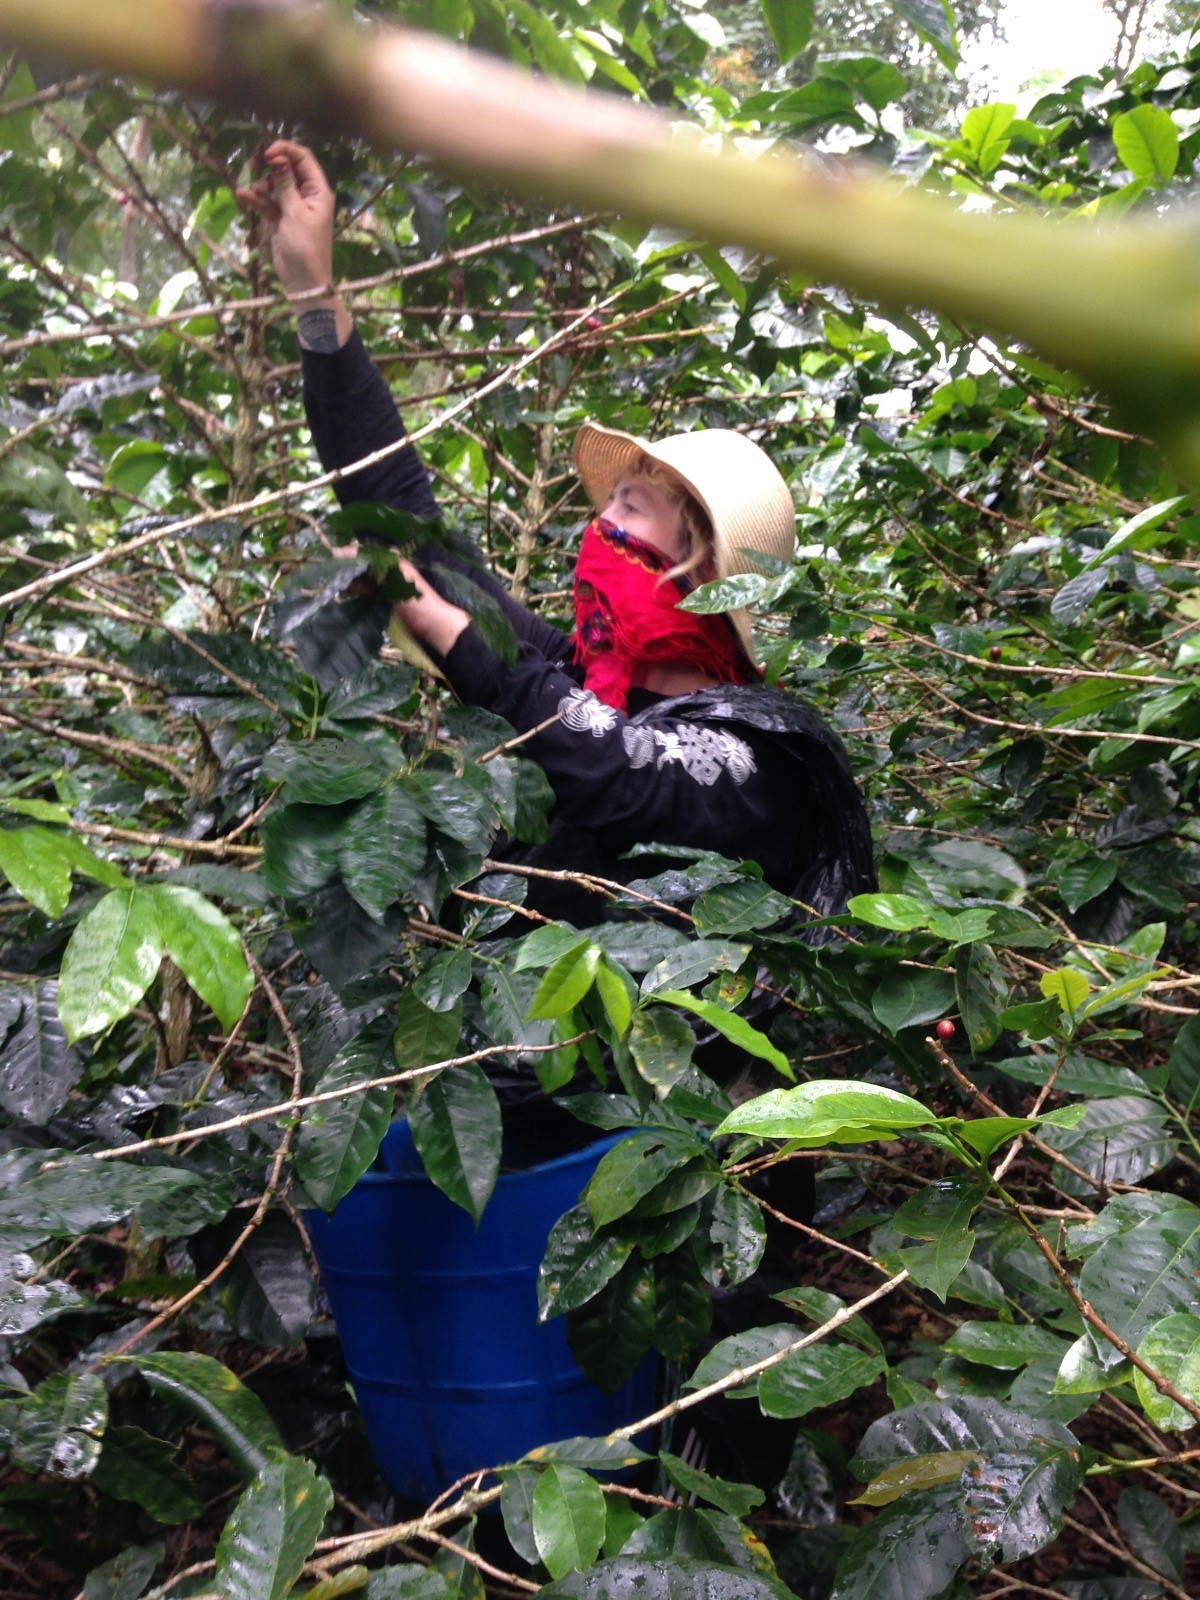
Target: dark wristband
column 318, row 330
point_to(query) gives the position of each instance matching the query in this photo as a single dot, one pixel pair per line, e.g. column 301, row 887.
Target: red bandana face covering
column 627, row 619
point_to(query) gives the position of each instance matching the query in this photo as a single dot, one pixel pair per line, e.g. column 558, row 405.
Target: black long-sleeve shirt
column 743, row 772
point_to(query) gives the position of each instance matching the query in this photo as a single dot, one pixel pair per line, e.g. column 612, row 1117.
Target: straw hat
column 747, row 502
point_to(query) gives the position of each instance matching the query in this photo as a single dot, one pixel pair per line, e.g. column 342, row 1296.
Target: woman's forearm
column 435, row 622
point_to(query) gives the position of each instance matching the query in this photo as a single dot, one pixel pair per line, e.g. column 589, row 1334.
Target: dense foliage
column 254, row 890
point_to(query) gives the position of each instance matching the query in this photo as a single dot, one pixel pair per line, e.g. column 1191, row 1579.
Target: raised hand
column 294, row 197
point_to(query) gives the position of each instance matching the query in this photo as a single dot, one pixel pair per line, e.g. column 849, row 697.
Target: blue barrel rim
column 587, row 1155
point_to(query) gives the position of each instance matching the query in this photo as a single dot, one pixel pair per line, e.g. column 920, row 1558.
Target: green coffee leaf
column 324, row 772
column 206, row 948
column 577, row 1264
column 38, row 862
column 566, row 983
column 635, row 1167
column 135, row 1466
column 900, row 913
column 661, row 1044
column 911, row 996
column 272, row 1531
column 568, row 1519
column 1005, row 1345
column 610, row 1335
column 38, row 1069
column 1068, row 987
column 829, row 1111
column 381, row 849
column 339, row 1140
column 1172, row 1347
column 790, row 22
column 730, row 1026
column 209, row 1392
column 71, row 1194
column 735, row 1499
column 111, row 960
column 676, row 1578
column 455, row 1123
column 730, row 1242
column 613, row 988
column 819, row 1375
column 59, row 1427
column 1147, row 142
column 596, row 1455
column 1144, row 1268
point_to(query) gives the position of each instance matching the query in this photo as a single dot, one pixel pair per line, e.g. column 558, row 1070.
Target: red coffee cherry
column 945, row 1029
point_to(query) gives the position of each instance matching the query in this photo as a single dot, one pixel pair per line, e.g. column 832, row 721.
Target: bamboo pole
column 1118, row 302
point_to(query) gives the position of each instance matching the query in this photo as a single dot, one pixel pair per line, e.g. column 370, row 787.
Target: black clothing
column 742, row 771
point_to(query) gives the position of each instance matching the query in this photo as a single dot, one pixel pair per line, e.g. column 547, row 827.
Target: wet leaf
column 632, row 1169
column 735, row 1499
column 135, row 1466
column 610, row 1335
column 206, row 948
column 77, row 1195
column 110, row 961
column 568, row 1519
column 1121, row 1139
column 323, row 772
column 27, row 1305
column 38, row 1069
column 741, row 1350
column 1004, row 1344
column 1016, row 1496
column 731, row 1241
column 125, row 1577
column 272, row 1531
column 820, row 1375
column 209, row 1392
column 741, row 907
column 58, row 1428
column 913, row 1547
column 339, row 1140
column 829, row 1110
column 423, row 1035
column 455, row 1123
column 1152, row 1532
column 661, row 1044
column 730, row 1026
column 675, row 1579
column 682, row 1305
column 1172, row 1347
column 1184, row 1064
column 922, row 1472
column 38, row 862
column 597, row 1455
column 697, row 960
column 578, row 1263
column 516, row 1507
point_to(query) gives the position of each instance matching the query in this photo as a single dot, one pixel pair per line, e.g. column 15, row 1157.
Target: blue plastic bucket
column 438, row 1319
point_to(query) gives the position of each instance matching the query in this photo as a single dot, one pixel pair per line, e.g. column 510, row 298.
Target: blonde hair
column 693, row 519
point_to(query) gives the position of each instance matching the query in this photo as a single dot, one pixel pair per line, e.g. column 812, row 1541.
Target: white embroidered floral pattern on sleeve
column 583, row 713
column 703, row 753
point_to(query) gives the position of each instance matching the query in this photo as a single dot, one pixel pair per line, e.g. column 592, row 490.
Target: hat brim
column 602, row 456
